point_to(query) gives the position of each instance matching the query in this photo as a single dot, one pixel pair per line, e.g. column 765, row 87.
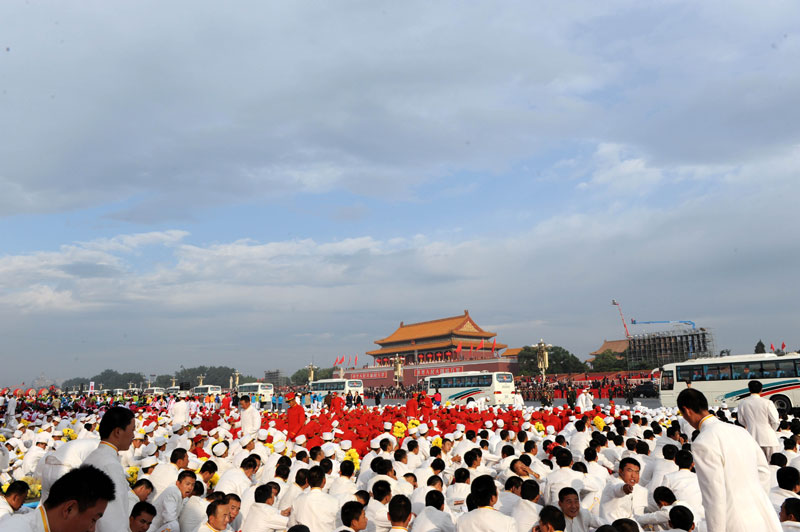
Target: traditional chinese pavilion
column 446, row 345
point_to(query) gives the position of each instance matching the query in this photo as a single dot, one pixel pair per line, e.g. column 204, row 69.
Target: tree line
column 109, row 378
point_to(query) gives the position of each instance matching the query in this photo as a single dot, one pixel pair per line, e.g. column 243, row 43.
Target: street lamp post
column 542, row 361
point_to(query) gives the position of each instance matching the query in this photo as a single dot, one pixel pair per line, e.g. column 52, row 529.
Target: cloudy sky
column 276, row 182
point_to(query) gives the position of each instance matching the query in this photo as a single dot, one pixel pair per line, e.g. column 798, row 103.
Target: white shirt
column 377, row 518
column 433, row 520
column 616, row 504
column 526, row 515
column 168, row 509
column 30, row 522
column 193, row 513
column 685, row 487
column 162, row 477
column 485, row 520
column 115, row 518
column 251, row 421
column 264, row 518
column 760, row 417
column 316, row 510
column 235, row 481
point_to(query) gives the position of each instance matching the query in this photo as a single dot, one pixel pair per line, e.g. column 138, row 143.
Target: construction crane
column 615, row 303
column 639, row 322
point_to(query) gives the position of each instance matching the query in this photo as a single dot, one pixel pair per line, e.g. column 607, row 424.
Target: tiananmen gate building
column 446, row 345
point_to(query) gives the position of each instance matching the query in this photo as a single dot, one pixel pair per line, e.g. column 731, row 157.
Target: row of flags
column 339, row 361
column 772, row 347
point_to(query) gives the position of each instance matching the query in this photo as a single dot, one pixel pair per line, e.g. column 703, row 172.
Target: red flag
column 458, row 349
column 783, row 346
column 348, row 360
column 356, row 362
column 480, row 345
column 494, row 345
column 471, row 348
column 772, row 348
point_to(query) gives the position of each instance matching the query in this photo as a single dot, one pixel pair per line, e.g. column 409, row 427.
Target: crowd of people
column 173, row 464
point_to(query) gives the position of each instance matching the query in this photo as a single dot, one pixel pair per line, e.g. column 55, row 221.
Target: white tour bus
column 341, row 386
column 176, row 391
column 206, row 389
column 263, row 389
column 724, row 379
column 154, row 391
column 464, row 388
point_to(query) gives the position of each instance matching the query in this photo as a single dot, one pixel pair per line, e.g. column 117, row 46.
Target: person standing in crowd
column 731, row 469
column 760, row 417
column 116, row 434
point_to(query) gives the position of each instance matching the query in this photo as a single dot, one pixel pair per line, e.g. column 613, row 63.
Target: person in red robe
column 297, row 416
column 337, row 404
column 411, row 408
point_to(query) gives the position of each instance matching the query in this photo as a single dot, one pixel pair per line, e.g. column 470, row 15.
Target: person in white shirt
column 77, row 501
column 787, row 488
column 165, row 475
column 262, row 515
column 576, row 519
column 354, row 518
column 237, row 480
column 377, row 507
column 142, row 516
column 760, row 417
column 623, row 498
column 790, row 515
column 685, row 485
column 315, row 509
column 485, row 518
column 343, row 485
column 250, row 417
column 433, row 518
column 218, row 514
column 561, row 477
column 14, row 497
column 193, row 513
column 170, row 503
column 526, row 511
column 509, row 497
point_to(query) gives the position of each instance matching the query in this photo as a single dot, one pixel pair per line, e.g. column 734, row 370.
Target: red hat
column 290, row 396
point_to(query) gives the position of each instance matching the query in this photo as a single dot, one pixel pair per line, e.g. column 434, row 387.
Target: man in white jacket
column 263, row 516
column 732, row 471
column 760, row 417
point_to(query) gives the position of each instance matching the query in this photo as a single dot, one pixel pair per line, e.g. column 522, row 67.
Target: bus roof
column 335, row 380
column 256, row 384
column 733, row 358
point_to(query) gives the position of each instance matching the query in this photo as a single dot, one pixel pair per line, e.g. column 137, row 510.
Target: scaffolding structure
column 276, row 378
column 653, row 350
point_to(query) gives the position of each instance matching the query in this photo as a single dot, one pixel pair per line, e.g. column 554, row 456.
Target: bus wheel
column 781, row 402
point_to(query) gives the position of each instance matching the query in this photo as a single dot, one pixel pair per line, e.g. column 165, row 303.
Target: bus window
column 770, row 370
column 485, row 380
column 785, row 369
column 447, row 382
column 667, row 380
column 718, row 372
column 697, row 373
column 689, row 373
column 747, row 370
column 504, row 377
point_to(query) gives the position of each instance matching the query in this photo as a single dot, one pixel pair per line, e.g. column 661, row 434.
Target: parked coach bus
column 724, row 379
column 341, row 386
column 464, row 388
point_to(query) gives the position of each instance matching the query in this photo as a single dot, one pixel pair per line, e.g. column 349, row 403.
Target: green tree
column 760, row 347
column 560, row 360
column 608, row 361
column 300, row 377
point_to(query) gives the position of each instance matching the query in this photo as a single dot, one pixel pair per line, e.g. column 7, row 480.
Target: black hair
column 483, row 489
column 363, row 495
column 684, row 459
column 316, row 476
column 178, row 453
column 231, row 497
column 681, row 517
column 693, row 400
column 347, row 468
column 249, row 463
column 435, row 480
column 301, row 477
column 326, row 465
column 563, row 493
column 381, row 489
column 263, row 493
column 282, row 471
column 563, row 458
column 399, row 509
column 624, row 524
column 669, row 451
column 116, row 417
column 314, row 452
column 434, row 498
column 18, row 487
column 143, row 482
column 470, row 458
column 211, row 509
column 629, row 461
column 788, row 478
column 530, row 490
column 461, row 475
column 299, row 528
column 550, row 515
column 143, row 507
column 186, row 474
column 513, row 482
column 199, row 488
column 579, row 467
column 351, row 511
column 589, row 454
column 215, row 496
column 792, row 508
column 437, row 465
column 209, row 467
column 664, row 494
column 778, row 459
column 85, row 485
column 755, row 386
column 507, row 450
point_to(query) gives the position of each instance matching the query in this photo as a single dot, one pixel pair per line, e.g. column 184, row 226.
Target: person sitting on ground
column 11, row 502
column 142, row 516
column 354, row 518
column 400, row 512
column 433, row 518
column 790, row 515
column 551, row 519
column 681, row 518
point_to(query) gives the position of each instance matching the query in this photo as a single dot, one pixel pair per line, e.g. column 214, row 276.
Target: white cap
column 346, row 445
column 461, row 427
column 423, row 428
column 279, row 446
column 245, row 440
column 219, row 449
column 387, row 425
column 148, row 461
column 301, row 439
column 500, row 423
column 263, row 434
column 457, row 435
column 375, row 443
column 327, row 436
column 42, row 437
column 160, row 440
column 328, row 449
